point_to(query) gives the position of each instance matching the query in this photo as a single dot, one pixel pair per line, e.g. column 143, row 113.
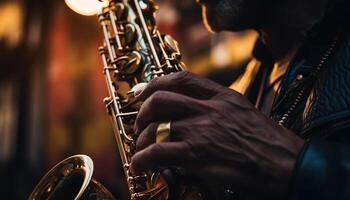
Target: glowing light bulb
column 86, row 7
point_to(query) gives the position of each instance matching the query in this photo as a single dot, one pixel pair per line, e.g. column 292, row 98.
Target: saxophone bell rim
column 81, row 162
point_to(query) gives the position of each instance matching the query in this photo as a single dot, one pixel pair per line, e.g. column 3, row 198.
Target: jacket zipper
column 301, row 93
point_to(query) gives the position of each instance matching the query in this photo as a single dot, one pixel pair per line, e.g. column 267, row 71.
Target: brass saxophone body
column 133, row 53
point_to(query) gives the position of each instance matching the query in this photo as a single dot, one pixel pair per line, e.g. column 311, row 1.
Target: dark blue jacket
column 317, row 108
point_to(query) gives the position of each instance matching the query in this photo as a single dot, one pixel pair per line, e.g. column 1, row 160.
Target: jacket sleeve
column 322, row 172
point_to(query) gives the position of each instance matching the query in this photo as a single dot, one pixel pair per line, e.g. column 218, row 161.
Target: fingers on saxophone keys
column 184, row 83
column 166, row 106
column 152, row 134
column 169, row 82
column 137, row 89
column 160, row 155
column 147, row 136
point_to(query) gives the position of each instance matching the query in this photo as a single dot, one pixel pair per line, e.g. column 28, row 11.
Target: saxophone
column 133, row 53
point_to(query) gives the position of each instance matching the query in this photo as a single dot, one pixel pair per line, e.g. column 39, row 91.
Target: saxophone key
column 130, row 35
column 120, row 11
column 107, row 100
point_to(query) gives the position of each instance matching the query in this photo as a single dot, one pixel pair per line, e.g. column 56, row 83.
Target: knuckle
column 149, row 131
column 155, row 98
column 154, row 82
column 141, row 113
column 152, row 86
column 155, row 149
column 140, row 142
column 190, row 149
column 184, row 73
column 158, row 94
column 181, row 76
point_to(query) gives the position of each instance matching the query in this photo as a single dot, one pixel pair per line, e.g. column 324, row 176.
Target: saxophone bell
column 71, row 179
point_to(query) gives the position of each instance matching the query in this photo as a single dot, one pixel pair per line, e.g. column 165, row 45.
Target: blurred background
column 51, row 85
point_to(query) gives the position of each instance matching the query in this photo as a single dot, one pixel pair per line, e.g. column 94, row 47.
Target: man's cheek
column 223, row 15
column 228, row 11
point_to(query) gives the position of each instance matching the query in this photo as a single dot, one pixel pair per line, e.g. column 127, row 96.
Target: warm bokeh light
column 86, row 7
column 11, row 23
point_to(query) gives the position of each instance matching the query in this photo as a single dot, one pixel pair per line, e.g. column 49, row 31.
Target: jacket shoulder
column 328, row 105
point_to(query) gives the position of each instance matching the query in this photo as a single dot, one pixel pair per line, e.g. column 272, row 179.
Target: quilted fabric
column 330, row 96
column 327, row 92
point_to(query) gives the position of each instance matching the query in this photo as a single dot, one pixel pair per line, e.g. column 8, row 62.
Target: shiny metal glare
column 143, row 5
column 86, row 7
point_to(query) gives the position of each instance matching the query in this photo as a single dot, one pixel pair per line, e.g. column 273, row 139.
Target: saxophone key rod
column 126, row 114
column 114, row 26
column 153, row 51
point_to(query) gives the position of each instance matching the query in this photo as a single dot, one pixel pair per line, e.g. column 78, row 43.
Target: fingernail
column 137, row 93
column 138, row 89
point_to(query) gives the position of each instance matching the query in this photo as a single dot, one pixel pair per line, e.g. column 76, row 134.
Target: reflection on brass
column 172, row 46
column 130, row 34
column 120, row 10
column 71, row 179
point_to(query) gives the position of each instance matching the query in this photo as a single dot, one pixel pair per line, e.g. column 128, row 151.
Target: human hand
column 216, row 134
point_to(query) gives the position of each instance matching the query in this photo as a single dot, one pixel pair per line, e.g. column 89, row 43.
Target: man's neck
column 286, row 27
column 281, row 46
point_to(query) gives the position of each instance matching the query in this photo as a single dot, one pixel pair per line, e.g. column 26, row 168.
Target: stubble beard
column 223, row 15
